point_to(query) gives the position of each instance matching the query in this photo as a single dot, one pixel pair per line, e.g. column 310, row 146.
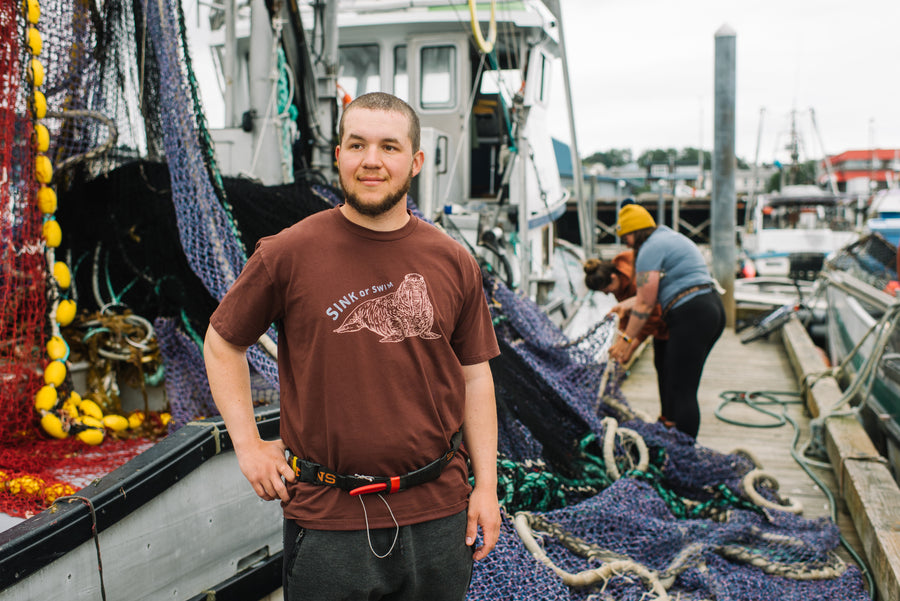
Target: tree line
column 803, row 173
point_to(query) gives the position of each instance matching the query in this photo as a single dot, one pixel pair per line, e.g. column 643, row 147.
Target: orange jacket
column 655, row 326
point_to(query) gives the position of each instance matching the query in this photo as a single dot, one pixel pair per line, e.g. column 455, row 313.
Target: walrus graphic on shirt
column 402, row 314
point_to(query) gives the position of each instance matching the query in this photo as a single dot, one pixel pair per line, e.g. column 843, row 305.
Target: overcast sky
column 643, row 73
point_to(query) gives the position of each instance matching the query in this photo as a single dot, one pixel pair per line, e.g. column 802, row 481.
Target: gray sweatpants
column 430, row 561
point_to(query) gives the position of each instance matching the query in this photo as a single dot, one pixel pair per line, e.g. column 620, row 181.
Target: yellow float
column 65, row 312
column 62, row 275
column 46, row 198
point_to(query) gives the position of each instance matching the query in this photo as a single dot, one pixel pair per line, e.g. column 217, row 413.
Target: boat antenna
column 751, row 193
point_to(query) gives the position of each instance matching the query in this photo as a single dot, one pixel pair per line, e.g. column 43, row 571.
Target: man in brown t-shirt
column 384, row 338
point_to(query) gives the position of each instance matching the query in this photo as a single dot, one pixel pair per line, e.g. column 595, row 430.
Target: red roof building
column 878, row 166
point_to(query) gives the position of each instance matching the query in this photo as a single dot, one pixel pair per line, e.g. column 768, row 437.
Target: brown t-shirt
column 373, row 330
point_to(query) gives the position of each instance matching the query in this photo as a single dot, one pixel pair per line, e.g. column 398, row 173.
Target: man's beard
column 374, row 210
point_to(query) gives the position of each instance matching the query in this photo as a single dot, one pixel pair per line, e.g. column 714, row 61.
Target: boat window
column 505, row 82
column 401, row 75
column 438, row 84
column 545, row 79
column 806, row 217
column 360, row 73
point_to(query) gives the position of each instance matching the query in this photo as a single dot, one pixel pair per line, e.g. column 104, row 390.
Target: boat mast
column 749, row 207
column 586, row 210
column 832, row 184
column 326, row 69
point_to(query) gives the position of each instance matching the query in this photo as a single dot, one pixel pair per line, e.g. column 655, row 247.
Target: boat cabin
column 789, row 234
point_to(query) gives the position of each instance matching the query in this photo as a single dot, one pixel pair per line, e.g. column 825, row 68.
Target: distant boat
column 789, row 234
column 884, row 215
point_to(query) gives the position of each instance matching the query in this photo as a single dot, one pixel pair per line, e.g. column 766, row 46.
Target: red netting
column 35, row 472
column 23, row 306
column 34, row 468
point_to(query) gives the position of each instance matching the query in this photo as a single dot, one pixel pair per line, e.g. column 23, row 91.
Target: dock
column 865, row 495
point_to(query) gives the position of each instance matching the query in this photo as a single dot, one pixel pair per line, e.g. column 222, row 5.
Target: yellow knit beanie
column 633, row 217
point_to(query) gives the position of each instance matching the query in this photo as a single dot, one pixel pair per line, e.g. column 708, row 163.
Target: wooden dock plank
column 763, row 365
column 864, row 480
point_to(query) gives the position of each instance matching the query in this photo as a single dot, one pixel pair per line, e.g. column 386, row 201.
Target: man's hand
column 263, row 464
column 484, row 511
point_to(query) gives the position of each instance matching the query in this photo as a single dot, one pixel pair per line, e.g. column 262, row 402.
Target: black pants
column 429, row 562
column 694, row 327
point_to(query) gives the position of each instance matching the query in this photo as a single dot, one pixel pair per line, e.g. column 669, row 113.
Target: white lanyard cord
column 369, row 536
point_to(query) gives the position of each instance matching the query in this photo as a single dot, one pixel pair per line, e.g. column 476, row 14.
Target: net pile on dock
column 674, row 524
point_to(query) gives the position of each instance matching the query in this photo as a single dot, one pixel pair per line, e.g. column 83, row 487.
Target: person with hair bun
column 670, row 272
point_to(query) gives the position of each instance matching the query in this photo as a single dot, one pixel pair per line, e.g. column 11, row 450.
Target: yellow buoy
column 25, row 485
column 35, row 43
column 57, row 490
column 91, row 436
column 91, row 409
column 55, row 373
column 165, row 418
column 53, row 426
column 36, row 73
column 91, row 421
column 40, row 136
column 46, row 198
column 62, row 275
column 43, row 169
column 70, row 408
column 135, row 420
column 74, row 398
column 52, row 233
column 46, row 398
column 39, row 105
column 114, row 422
column 65, row 312
column 56, row 348
column 32, row 11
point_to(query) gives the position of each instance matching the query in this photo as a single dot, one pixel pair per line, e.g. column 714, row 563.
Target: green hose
column 748, row 399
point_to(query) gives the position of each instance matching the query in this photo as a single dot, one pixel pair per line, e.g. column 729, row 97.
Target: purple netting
column 629, row 520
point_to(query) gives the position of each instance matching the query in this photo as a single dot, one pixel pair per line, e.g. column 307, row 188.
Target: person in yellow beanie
column 670, row 270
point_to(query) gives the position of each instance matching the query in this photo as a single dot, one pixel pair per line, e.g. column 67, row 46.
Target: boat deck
column 763, row 365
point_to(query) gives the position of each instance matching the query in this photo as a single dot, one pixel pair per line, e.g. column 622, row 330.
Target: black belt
column 684, row 293
column 358, row 484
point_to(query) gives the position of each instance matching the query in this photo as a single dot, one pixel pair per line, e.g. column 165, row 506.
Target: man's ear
column 337, row 151
column 418, row 161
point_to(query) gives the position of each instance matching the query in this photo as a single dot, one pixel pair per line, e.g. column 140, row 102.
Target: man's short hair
column 381, row 101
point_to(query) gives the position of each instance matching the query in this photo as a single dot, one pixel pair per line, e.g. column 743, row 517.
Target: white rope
column 586, row 577
column 748, row 484
column 611, row 429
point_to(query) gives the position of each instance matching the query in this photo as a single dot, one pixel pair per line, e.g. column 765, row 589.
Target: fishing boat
column 160, row 210
column 790, row 233
column 861, row 285
column 178, row 520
